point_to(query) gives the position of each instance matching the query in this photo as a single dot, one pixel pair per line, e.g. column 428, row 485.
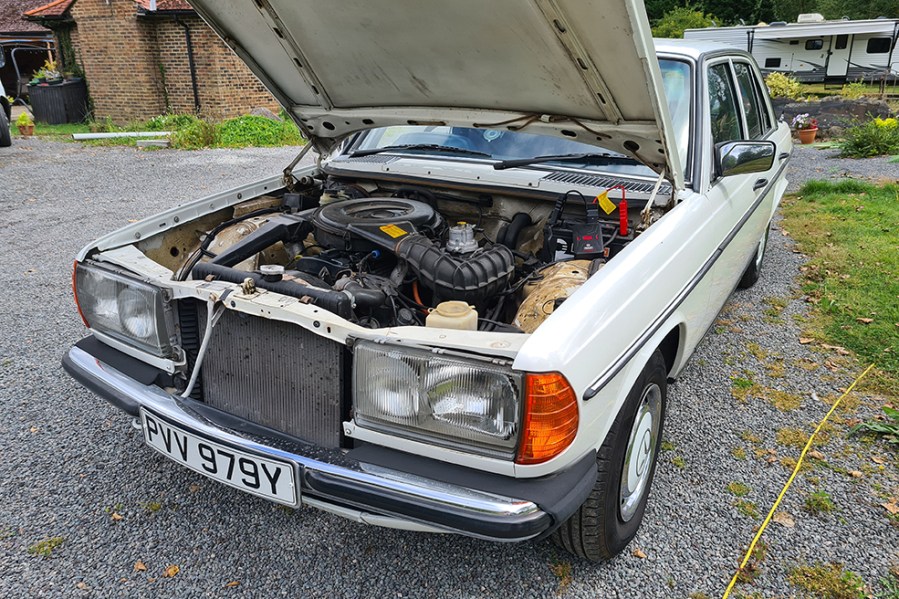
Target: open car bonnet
column 580, row 69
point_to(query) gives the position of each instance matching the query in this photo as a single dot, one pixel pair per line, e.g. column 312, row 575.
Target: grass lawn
column 869, row 89
column 850, row 231
column 188, row 132
column 60, row 132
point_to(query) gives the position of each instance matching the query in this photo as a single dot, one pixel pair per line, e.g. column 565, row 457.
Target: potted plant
column 806, row 126
column 25, row 124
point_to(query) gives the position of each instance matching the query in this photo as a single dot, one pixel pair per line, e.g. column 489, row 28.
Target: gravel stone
column 70, row 460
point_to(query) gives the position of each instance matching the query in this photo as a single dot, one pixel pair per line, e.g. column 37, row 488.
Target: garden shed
column 23, row 43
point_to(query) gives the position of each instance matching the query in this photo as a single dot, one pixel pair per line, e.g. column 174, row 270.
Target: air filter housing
column 337, row 225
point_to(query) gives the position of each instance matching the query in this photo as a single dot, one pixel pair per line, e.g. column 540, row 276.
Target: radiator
column 277, row 375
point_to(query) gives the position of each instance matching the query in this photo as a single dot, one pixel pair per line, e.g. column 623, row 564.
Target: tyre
column 610, row 517
column 751, row 274
column 5, row 136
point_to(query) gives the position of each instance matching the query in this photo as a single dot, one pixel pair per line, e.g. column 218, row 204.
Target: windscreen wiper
column 431, row 147
column 592, row 159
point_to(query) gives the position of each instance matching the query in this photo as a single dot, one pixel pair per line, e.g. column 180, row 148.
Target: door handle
column 759, row 183
column 783, row 156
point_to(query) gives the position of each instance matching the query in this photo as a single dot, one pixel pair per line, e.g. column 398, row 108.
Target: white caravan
column 814, row 50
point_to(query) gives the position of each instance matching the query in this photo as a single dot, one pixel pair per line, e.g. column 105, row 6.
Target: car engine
column 410, row 256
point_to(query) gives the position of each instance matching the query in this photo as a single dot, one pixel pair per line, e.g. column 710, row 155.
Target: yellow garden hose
column 808, row 445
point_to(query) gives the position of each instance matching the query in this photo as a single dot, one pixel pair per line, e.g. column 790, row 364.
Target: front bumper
column 369, row 484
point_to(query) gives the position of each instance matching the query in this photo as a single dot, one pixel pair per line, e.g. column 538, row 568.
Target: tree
column 673, row 23
column 656, row 9
column 858, row 9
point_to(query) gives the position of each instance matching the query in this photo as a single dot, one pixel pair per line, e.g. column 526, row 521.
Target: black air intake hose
column 511, row 232
column 470, row 279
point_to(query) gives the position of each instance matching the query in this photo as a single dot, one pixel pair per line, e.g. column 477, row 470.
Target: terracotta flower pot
column 807, row 136
column 26, row 130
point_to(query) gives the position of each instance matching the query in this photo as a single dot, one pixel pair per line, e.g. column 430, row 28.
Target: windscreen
column 498, row 144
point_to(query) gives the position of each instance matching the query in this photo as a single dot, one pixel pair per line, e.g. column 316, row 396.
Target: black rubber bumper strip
column 132, row 367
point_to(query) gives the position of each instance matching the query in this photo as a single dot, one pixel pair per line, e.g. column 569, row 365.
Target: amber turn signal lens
column 550, row 417
column 75, row 293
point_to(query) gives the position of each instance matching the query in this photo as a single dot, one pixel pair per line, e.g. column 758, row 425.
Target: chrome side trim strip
column 619, row 363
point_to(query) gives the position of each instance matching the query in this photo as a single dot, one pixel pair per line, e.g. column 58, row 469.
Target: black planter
column 57, row 104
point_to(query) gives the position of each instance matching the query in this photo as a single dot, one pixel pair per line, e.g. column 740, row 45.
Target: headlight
column 124, row 308
column 419, row 393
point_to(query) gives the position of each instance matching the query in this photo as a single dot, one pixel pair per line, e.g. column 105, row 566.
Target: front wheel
column 610, row 517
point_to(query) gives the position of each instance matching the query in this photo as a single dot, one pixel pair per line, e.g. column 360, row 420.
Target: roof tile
column 11, row 19
column 56, row 8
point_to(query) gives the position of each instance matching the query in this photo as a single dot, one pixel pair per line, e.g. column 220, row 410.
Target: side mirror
column 743, row 157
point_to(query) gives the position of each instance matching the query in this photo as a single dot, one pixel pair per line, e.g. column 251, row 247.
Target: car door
column 743, row 204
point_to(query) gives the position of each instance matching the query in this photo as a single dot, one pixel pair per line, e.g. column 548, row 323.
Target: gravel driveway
column 73, row 467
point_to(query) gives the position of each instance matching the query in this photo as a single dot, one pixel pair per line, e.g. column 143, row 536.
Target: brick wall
column 226, row 87
column 118, row 57
column 137, row 67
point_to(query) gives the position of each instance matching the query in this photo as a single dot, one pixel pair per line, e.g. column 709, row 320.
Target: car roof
column 691, row 48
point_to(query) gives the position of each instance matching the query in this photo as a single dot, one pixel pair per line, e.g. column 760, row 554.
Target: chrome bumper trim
column 331, row 465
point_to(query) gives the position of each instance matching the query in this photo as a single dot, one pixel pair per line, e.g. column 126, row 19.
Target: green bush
column 198, row 134
column 853, row 91
column 872, row 138
column 675, row 21
column 258, row 131
column 170, row 122
column 783, row 86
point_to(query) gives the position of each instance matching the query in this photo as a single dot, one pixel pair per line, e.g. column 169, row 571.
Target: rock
column 834, row 113
column 260, row 111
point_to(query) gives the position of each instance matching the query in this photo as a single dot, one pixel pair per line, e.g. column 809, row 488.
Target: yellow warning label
column 393, row 230
column 605, row 203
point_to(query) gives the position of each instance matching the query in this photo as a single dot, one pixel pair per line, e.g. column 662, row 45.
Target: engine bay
column 384, row 255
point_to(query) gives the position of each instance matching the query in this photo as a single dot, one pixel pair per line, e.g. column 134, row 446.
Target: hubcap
column 641, row 448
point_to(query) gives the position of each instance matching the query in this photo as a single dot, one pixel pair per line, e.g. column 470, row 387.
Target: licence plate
column 267, row 478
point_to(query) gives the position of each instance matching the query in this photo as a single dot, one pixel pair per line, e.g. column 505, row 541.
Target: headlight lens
column 421, row 393
column 124, row 308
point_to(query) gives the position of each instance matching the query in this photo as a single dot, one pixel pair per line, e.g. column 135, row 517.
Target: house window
column 841, row 42
column 772, row 63
column 814, row 44
column 879, row 45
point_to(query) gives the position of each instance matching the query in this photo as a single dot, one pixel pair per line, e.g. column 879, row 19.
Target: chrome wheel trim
column 641, row 448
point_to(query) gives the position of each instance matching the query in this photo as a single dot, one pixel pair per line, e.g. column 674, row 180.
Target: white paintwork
column 590, row 331
column 571, row 68
column 582, row 69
